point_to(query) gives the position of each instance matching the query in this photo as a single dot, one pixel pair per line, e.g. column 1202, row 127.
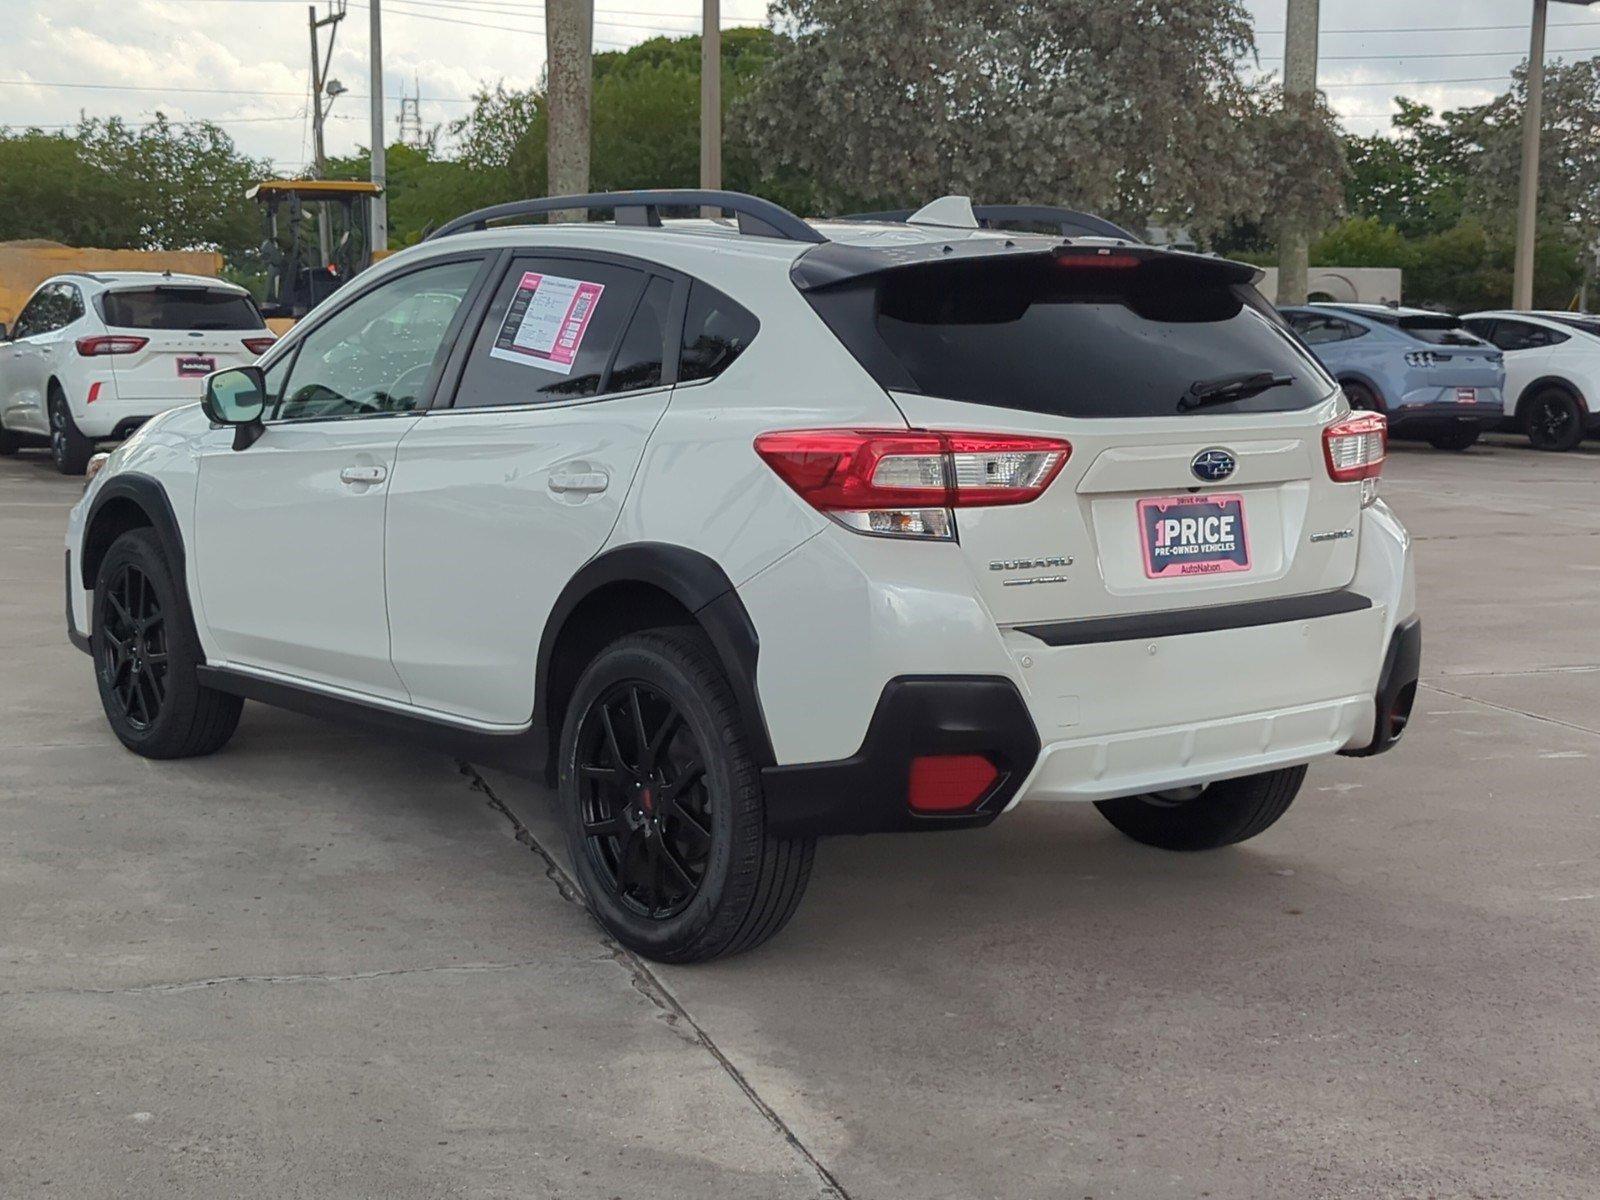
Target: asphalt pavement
column 320, row 964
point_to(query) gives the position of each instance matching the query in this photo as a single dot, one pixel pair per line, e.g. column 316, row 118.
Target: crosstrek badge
column 1193, row 535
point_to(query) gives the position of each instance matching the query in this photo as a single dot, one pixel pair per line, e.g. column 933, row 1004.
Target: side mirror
column 237, row 397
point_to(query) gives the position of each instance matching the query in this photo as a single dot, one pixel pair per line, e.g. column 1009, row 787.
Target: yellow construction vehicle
column 315, row 239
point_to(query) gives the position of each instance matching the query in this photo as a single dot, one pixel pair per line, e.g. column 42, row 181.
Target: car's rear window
column 1437, row 329
column 1037, row 334
column 178, row 308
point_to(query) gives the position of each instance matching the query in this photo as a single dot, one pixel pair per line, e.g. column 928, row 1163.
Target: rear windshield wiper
column 1225, row 389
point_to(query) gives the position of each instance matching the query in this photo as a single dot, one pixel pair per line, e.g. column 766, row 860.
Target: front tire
column 69, row 449
column 1219, row 814
column 662, row 803
column 10, row 442
column 145, row 655
column 1555, row 421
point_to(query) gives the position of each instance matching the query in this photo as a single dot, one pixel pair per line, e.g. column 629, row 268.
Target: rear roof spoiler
column 835, row 263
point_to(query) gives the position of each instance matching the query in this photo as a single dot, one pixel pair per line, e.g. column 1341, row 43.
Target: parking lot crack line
column 190, row 985
column 648, row 984
column 1506, row 708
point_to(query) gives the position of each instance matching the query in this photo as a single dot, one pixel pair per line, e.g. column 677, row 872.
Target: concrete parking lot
column 324, row 965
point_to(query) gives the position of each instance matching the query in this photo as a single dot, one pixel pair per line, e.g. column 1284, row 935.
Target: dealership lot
column 321, row 964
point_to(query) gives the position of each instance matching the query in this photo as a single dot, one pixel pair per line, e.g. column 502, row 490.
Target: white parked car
column 93, row 355
column 744, row 533
column 1552, row 373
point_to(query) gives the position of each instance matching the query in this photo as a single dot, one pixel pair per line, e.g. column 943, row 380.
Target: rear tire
column 145, row 654
column 10, row 443
column 662, row 802
column 1361, row 397
column 1461, row 437
column 69, row 449
column 1554, row 420
column 1222, row 814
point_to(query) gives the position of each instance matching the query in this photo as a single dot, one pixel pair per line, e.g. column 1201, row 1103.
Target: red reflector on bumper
column 94, row 392
column 950, row 783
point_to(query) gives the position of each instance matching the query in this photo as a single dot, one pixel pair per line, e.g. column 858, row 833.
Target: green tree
column 1136, row 110
column 1413, row 178
column 51, row 188
column 1361, row 242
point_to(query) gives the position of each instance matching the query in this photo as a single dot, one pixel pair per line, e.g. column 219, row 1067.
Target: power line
column 1451, row 54
column 1435, row 28
column 129, row 87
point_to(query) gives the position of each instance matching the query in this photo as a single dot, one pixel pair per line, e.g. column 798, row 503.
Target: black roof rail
column 1068, row 222
column 756, row 217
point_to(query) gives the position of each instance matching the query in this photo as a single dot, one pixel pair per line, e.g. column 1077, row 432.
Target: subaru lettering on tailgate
column 1193, row 535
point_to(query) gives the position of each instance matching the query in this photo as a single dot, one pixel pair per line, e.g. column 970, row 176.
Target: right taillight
column 1356, row 447
column 905, row 482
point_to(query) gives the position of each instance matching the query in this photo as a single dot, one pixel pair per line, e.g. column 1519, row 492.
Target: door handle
column 579, row 481
column 362, row 475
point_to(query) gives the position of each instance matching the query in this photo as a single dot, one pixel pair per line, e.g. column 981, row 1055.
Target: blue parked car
column 1427, row 371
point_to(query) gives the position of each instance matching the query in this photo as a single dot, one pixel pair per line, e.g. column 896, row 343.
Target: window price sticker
column 545, row 325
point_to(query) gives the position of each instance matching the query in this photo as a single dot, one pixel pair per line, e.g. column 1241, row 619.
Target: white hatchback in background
column 1552, row 373
column 92, row 356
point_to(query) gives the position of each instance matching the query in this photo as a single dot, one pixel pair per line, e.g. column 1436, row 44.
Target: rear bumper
column 1485, row 415
column 1397, row 689
column 915, row 715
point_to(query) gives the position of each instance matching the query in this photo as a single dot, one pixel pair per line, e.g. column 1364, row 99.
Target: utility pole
column 1299, row 91
column 323, row 92
column 379, row 238
column 711, row 98
column 569, row 40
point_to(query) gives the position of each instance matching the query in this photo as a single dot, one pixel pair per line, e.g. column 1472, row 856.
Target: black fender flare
column 696, row 582
column 151, row 498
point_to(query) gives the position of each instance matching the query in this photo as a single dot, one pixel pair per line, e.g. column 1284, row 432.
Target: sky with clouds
column 243, row 63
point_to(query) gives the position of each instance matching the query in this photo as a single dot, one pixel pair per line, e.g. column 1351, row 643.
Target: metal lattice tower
column 410, row 118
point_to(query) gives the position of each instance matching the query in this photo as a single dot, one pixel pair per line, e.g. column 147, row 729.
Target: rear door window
column 175, row 307
column 1087, row 340
column 552, row 330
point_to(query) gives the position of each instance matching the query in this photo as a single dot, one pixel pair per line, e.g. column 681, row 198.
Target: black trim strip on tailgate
column 1197, row 620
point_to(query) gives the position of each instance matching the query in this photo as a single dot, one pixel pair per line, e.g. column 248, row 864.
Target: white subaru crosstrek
column 742, row 533
column 91, row 356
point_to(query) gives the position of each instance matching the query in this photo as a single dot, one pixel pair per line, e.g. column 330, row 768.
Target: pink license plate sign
column 1193, row 535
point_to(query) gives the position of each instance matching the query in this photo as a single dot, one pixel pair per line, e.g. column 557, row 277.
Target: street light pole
column 711, row 98
column 1532, row 126
column 379, row 238
column 1528, row 193
column 1299, row 91
column 569, row 40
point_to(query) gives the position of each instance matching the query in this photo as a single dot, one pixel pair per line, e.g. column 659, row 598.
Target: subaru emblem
column 1213, row 465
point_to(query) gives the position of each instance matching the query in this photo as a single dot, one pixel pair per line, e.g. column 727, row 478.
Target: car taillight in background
column 118, row 343
column 259, row 345
column 906, row 482
column 1425, row 358
column 1355, row 449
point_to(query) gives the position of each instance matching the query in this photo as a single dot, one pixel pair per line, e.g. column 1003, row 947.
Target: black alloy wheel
column 1555, row 421
column 647, row 813
column 133, row 646
column 58, row 433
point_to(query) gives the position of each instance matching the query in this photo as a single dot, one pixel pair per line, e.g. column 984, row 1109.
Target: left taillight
column 906, row 482
column 1355, row 449
column 116, row 343
column 259, row 345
